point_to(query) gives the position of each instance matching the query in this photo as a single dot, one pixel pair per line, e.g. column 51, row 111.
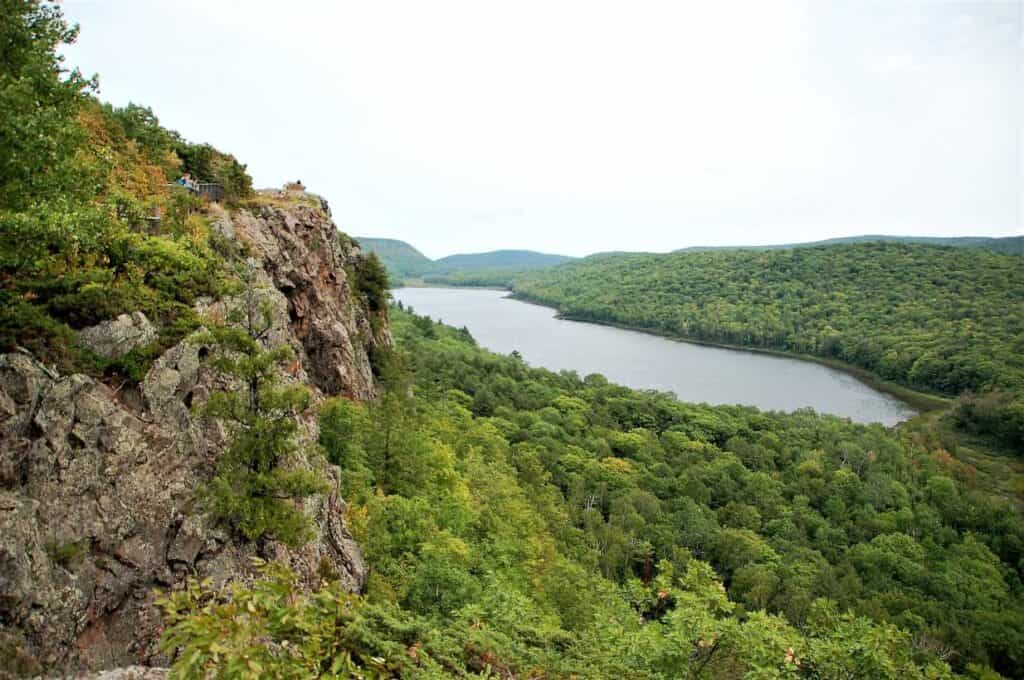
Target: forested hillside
column 520, row 259
column 91, row 223
column 401, row 260
column 544, row 525
column 133, row 310
column 950, row 320
column 213, row 457
column 496, row 268
column 1007, row 244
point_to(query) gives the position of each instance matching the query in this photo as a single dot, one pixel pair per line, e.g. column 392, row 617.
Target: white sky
column 579, row 127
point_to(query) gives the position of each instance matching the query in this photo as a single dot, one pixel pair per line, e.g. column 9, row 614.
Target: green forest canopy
column 1006, row 244
column 516, row 520
column 91, row 224
column 948, row 320
column 401, row 259
column 543, row 525
column 503, row 267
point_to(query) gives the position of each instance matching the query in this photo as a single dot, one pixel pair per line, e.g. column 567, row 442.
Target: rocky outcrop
column 98, row 506
column 115, row 338
column 130, row 673
column 314, row 269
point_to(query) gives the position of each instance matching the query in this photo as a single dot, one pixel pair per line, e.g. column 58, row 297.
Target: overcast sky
column 578, row 127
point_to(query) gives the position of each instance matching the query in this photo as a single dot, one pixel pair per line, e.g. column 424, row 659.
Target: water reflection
column 639, row 360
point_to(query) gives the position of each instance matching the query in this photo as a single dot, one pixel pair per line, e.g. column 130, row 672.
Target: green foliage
column 254, row 488
column 996, row 413
column 66, row 553
column 139, row 124
column 401, row 259
column 372, row 282
column 492, row 277
column 499, row 268
column 1008, row 244
column 525, row 523
column 943, row 319
column 275, row 630
column 509, row 259
column 342, row 425
column 70, row 273
column 26, row 325
column 567, row 527
column 79, row 185
column 50, row 236
column 41, row 99
column 207, row 164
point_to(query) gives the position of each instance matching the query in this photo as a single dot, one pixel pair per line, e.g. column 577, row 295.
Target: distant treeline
column 497, row 268
column 1009, row 244
column 549, row 525
column 947, row 320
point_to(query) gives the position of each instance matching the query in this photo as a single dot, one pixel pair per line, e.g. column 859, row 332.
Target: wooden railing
column 212, row 191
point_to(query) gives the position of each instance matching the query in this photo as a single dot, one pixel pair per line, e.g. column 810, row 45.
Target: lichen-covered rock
column 99, row 510
column 115, row 338
column 129, row 673
column 98, row 493
column 312, row 265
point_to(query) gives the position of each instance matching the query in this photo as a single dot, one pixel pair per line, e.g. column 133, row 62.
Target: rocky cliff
column 98, row 482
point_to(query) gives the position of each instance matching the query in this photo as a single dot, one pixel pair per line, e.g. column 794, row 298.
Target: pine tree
column 253, row 489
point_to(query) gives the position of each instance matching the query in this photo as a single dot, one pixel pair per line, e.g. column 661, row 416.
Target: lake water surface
column 693, row 372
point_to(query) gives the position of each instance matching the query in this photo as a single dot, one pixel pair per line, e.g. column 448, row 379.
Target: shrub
column 253, row 490
column 372, row 282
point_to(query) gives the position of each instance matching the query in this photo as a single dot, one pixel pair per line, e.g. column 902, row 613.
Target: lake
column 693, row 372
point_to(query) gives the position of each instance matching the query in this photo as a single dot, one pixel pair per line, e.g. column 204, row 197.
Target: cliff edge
column 98, row 482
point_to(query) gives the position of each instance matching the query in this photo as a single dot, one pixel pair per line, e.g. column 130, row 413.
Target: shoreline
column 417, row 283
column 923, row 402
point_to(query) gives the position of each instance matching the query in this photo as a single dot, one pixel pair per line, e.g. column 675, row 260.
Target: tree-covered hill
column 949, row 320
column 520, row 259
column 543, row 525
column 1008, row 244
column 516, row 522
column 502, row 267
column 401, row 260
column 496, row 268
column 92, row 223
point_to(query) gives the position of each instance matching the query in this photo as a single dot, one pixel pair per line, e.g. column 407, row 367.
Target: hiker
column 187, row 182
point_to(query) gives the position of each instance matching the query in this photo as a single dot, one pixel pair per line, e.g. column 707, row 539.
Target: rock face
column 98, row 504
column 131, row 673
column 307, row 262
column 115, row 338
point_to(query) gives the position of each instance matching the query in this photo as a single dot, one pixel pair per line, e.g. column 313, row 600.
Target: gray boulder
column 115, row 338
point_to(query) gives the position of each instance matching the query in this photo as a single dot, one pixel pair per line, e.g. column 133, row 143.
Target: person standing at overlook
column 186, row 181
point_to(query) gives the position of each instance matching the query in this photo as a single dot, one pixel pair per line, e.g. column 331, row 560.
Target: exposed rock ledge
column 117, row 337
column 98, row 488
column 129, row 673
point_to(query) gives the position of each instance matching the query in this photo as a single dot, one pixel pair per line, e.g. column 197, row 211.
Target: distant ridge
column 499, row 267
column 402, row 260
column 1007, row 244
column 503, row 258
column 494, row 268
